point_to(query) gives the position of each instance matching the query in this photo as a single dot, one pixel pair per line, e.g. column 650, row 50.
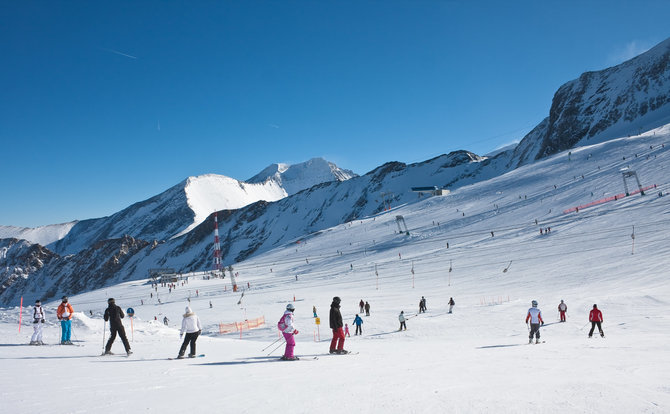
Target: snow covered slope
column 481, row 245
column 43, row 235
column 298, row 177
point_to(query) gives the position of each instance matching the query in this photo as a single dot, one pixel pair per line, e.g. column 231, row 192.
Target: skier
column 535, row 317
column 562, row 308
column 596, row 318
column 191, row 325
column 38, row 321
column 402, row 319
column 210, row 304
column 114, row 314
column 361, row 305
column 422, row 305
column 451, row 304
column 287, row 329
column 367, row 309
column 314, row 311
column 358, row 321
column 335, row 319
column 64, row 314
column 165, row 320
column 346, row 330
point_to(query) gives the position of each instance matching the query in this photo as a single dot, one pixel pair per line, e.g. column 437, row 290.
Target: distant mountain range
column 286, row 202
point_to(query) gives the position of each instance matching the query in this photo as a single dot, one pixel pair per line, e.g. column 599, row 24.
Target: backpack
column 281, row 325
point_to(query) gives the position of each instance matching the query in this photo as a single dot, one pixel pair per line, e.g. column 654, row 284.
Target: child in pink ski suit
column 285, row 325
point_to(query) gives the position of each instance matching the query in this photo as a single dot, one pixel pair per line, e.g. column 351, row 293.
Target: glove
column 295, row 332
column 542, row 323
column 42, row 320
column 181, row 335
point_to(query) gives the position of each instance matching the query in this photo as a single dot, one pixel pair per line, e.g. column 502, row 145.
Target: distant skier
column 402, row 320
column 335, row 319
column 346, row 330
column 367, row 309
column 287, row 329
column 451, row 304
column 361, row 305
column 165, row 320
column 314, row 311
column 535, row 317
column 358, row 321
column 596, row 318
column 114, row 314
column 422, row 305
column 38, row 323
column 562, row 308
column 191, row 325
column 210, row 304
column 64, row 314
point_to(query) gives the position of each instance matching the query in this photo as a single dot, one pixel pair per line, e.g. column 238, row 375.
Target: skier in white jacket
column 191, row 325
column 285, row 325
column 38, row 322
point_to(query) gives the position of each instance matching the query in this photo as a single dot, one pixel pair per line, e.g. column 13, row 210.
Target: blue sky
column 104, row 105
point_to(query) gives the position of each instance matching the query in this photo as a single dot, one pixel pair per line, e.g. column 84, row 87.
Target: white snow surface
column 212, row 192
column 42, row 235
column 475, row 360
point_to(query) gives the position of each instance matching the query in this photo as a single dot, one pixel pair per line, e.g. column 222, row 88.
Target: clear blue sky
column 106, row 104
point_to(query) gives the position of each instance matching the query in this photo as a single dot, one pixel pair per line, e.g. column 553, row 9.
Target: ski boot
column 108, row 353
column 332, row 351
column 342, row 352
column 129, row 352
column 537, row 341
column 180, row 356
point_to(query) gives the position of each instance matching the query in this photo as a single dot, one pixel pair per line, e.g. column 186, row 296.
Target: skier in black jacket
column 337, row 344
column 114, row 314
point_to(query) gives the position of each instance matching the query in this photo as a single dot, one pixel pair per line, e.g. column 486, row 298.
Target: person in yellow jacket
column 64, row 313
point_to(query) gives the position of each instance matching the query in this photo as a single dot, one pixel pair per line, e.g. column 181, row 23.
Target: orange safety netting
column 241, row 326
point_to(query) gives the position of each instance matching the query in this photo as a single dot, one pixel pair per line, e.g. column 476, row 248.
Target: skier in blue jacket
column 358, row 321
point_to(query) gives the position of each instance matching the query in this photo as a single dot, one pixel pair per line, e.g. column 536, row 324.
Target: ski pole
column 276, row 348
column 104, row 329
column 278, row 339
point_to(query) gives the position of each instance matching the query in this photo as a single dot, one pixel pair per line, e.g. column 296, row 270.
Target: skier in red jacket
column 596, row 318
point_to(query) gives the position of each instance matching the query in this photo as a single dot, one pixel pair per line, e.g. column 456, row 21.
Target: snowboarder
column 535, row 317
column 335, row 319
column 402, row 320
column 64, row 314
column 596, row 318
column 191, row 325
column 165, row 320
column 361, row 305
column 287, row 329
column 358, row 321
column 38, row 322
column 367, row 309
column 422, row 305
column 562, row 308
column 346, row 330
column 451, row 304
column 114, row 314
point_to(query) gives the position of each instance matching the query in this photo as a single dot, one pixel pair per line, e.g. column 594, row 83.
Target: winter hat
column 595, row 306
column 337, row 299
column 64, row 298
column 110, row 301
column 188, row 309
column 38, row 302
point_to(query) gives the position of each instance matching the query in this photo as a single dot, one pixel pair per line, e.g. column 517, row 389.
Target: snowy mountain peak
column 297, row 177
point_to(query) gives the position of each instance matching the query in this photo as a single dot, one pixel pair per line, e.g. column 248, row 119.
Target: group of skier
column 534, row 316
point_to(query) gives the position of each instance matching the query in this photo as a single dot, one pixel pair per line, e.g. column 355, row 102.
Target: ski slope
column 472, row 361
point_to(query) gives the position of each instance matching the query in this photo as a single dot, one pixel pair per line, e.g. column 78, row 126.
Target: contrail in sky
column 119, row 53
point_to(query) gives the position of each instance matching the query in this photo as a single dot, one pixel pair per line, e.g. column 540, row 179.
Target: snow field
column 474, row 360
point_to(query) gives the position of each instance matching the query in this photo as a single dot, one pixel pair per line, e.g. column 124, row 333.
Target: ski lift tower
column 631, row 174
column 400, row 221
column 217, row 246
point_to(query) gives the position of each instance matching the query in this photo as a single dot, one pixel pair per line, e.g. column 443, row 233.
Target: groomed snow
column 472, row 361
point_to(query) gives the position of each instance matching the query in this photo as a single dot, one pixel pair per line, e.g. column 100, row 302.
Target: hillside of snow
column 298, row 177
column 481, row 245
column 43, row 235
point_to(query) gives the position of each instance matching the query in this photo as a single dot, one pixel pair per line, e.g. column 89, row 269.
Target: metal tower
column 217, row 245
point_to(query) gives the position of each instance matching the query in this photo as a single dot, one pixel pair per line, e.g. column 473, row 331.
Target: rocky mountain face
column 622, row 100
column 287, row 203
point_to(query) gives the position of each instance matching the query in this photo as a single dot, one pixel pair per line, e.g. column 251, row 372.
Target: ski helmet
column 64, row 299
column 290, row 307
column 37, row 302
column 337, row 299
column 534, row 303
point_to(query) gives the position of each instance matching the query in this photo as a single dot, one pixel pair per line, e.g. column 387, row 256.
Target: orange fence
column 605, row 200
column 241, row 326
